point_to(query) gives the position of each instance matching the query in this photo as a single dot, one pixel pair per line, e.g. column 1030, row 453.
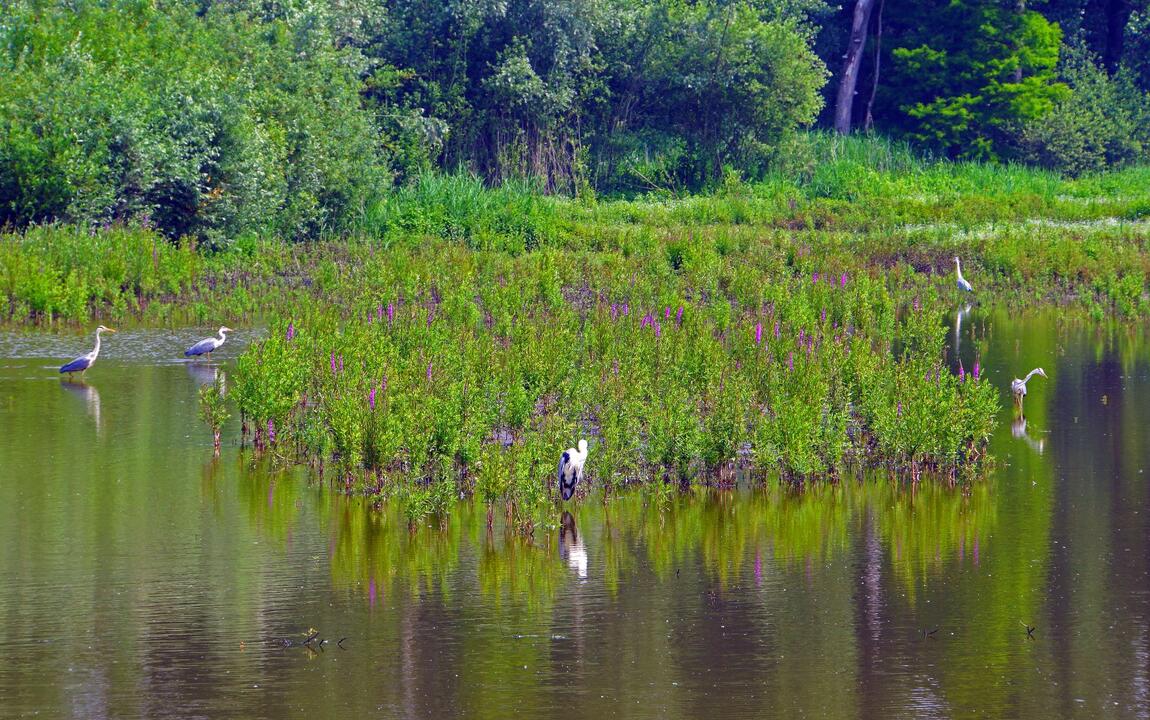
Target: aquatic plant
column 526, row 353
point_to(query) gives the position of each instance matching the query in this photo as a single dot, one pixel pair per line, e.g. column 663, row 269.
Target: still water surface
column 140, row 577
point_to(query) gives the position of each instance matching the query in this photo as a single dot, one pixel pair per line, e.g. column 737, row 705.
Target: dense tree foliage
column 217, row 118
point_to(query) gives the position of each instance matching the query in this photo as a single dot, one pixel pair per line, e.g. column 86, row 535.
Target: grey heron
column 1018, row 387
column 962, row 283
column 571, row 469
column 207, row 346
column 82, row 363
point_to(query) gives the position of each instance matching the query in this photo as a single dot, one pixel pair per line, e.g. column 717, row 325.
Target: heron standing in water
column 571, row 469
column 962, row 283
column 82, row 363
column 1018, row 387
column 207, row 346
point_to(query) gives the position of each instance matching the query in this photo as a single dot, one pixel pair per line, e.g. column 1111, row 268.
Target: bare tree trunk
column 851, row 63
column 868, row 121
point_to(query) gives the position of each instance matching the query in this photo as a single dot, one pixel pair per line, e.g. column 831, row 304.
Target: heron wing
column 567, row 476
column 203, row 346
column 80, row 363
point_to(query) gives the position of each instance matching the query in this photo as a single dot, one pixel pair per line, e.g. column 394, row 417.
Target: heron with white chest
column 962, row 283
column 82, row 363
column 207, row 346
column 571, row 469
column 1018, row 387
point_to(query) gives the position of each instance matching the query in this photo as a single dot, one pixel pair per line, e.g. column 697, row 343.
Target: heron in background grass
column 571, row 469
column 82, row 363
column 207, row 346
column 1018, row 387
column 962, row 283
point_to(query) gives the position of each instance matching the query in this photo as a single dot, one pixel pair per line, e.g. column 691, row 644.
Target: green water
column 141, row 577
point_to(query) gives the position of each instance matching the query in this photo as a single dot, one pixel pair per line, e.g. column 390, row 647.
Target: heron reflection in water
column 203, row 374
column 1018, row 430
column 90, row 396
column 571, row 547
column 958, row 318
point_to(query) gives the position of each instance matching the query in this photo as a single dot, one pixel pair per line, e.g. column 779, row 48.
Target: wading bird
column 1018, row 387
column 82, row 363
column 207, row 346
column 962, row 283
column 571, row 469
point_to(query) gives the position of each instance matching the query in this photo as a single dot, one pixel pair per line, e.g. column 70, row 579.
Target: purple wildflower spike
column 824, row 315
column 341, row 362
column 679, row 316
column 658, row 328
column 776, row 329
column 626, row 309
column 390, row 313
column 977, row 370
column 332, row 361
column 371, row 399
column 429, row 370
column 290, row 331
column 758, row 333
column 271, row 431
column 614, row 311
column 900, row 408
column 961, row 372
column 667, row 313
column 815, row 278
column 790, row 361
column 843, row 280
column 916, row 305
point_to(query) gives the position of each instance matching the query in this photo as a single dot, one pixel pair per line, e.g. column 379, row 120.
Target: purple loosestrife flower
column 758, row 333
column 790, row 361
column 843, row 280
column 814, row 277
column 776, row 329
column 658, row 329
column 899, row 408
column 614, row 311
column 333, row 362
column 961, row 372
column 667, row 313
column 824, row 315
column 341, row 362
column 977, row 370
column 679, row 316
column 271, row 431
column 626, row 309
column 371, row 399
column 390, row 313
column 379, row 313
column 429, row 370
column 916, row 305
column 290, row 331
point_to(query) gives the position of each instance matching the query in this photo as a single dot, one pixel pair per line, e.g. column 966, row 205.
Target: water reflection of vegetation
column 730, row 535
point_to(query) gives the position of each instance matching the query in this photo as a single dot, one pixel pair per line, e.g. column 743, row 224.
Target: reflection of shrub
column 1095, row 127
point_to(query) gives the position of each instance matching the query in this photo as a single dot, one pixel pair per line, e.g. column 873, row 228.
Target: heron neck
column 222, row 336
column 96, row 350
column 1030, row 375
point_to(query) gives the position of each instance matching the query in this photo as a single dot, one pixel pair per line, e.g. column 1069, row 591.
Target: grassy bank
column 1026, row 237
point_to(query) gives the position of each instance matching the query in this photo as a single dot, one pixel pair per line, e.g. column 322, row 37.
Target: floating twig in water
column 1029, row 630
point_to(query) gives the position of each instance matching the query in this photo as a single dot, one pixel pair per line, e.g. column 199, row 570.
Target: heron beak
column 108, row 329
